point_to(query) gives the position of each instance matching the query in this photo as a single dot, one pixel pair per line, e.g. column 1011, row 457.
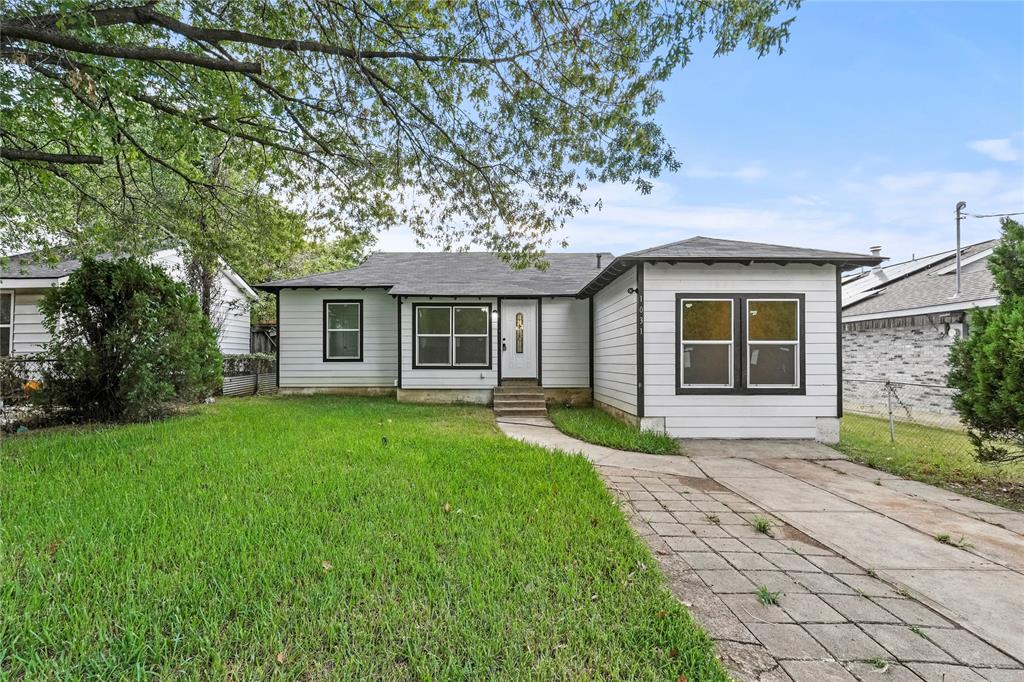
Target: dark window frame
column 8, row 327
column 451, row 334
column 326, row 303
column 740, row 347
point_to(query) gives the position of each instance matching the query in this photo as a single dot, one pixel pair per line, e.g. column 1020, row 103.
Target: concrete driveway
column 865, row 590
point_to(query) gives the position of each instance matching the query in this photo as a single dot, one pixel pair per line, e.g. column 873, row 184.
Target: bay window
column 739, row 343
column 343, row 331
column 451, row 335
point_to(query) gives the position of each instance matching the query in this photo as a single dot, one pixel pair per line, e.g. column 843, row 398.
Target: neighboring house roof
column 31, row 265
column 923, row 285
column 464, row 273
column 711, row 250
column 568, row 274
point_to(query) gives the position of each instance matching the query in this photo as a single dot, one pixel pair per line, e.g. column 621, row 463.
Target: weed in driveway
column 767, row 597
column 762, row 525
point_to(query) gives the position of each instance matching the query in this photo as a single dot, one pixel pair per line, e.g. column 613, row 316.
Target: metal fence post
column 892, row 421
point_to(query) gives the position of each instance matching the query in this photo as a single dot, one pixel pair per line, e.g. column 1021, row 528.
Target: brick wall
column 908, row 350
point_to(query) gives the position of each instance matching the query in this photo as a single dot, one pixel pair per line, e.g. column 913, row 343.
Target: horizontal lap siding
column 231, row 314
column 565, row 342
column 29, row 334
column 740, row 416
column 615, row 380
column 447, row 377
column 302, row 340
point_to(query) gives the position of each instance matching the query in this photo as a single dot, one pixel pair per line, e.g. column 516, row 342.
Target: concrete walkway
column 866, row 591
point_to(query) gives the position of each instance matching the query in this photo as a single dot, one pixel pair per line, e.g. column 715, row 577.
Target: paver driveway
column 865, row 590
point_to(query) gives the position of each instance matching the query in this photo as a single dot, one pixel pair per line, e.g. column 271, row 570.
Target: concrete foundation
column 372, row 391
column 655, row 424
column 575, row 397
column 442, row 396
column 626, row 417
column 828, row 430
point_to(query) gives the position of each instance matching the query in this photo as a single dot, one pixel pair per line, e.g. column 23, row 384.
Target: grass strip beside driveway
column 939, row 457
column 324, row 537
column 596, row 426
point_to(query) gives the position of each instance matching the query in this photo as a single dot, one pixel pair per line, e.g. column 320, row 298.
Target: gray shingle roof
column 32, row 265
column 701, row 248
column 927, row 286
column 458, row 274
column 710, row 250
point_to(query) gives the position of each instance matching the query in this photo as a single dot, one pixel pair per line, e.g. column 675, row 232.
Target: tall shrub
column 126, row 340
column 987, row 367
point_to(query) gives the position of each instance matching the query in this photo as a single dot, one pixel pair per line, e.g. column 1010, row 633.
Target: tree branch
column 13, row 154
column 14, row 31
column 146, row 15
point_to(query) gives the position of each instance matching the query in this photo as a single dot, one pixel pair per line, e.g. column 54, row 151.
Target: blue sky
column 874, row 122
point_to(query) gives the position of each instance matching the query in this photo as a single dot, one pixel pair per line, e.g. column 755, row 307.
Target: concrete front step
column 532, row 399
column 520, row 412
column 519, row 389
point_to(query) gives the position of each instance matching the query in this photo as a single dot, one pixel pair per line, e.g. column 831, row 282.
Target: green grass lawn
column 597, row 426
column 937, row 456
column 281, row 537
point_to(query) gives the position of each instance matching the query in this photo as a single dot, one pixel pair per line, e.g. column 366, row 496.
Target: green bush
column 126, row 340
column 987, row 367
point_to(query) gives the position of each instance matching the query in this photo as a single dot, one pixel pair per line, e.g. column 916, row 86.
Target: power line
column 995, row 215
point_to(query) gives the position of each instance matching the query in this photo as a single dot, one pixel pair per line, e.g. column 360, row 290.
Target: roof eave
column 623, row 263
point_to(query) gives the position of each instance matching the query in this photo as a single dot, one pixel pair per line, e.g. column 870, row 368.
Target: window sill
column 682, row 390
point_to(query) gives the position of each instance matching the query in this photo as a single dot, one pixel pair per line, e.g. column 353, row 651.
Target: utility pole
column 960, row 206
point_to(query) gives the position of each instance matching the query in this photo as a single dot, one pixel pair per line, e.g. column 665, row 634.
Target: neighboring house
column 899, row 322
column 23, row 282
column 699, row 338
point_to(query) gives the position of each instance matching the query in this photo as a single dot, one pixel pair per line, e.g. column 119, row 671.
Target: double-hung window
column 707, row 329
column 343, row 331
column 739, row 343
column 452, row 335
column 773, row 343
column 6, row 323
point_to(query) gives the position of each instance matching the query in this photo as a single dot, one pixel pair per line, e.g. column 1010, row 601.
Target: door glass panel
column 519, row 332
column 5, row 308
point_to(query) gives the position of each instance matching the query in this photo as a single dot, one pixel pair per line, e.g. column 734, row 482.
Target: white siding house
column 23, row 283
column 565, row 336
column 303, row 358
column 703, row 338
column 615, row 359
column 810, row 410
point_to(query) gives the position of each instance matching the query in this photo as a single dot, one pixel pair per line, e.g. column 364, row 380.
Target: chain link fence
column 907, row 415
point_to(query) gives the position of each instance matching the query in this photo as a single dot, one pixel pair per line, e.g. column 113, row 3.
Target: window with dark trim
column 451, row 335
column 740, row 343
column 343, row 331
column 6, row 323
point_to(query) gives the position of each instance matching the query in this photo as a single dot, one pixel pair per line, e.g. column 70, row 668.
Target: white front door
column 519, row 338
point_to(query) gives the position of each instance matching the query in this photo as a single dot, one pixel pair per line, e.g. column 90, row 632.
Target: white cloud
column 1000, row 149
